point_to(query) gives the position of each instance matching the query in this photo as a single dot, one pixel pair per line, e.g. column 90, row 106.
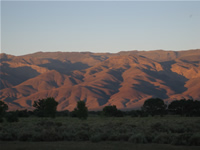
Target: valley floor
column 90, row 146
column 101, row 133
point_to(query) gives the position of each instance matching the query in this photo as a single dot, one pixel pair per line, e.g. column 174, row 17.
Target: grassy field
column 126, row 132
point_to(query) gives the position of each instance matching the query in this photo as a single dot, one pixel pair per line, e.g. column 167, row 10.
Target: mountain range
column 125, row 79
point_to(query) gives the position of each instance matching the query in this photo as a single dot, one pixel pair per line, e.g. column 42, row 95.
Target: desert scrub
column 163, row 138
column 8, row 134
column 182, row 139
column 12, row 117
column 99, row 137
column 175, row 130
column 159, row 127
column 47, row 135
column 82, row 135
column 195, row 139
column 25, row 136
column 138, row 138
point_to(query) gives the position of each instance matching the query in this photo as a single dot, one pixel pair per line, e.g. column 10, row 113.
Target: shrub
column 12, row 117
column 137, row 138
column 99, row 137
column 114, row 137
column 96, row 138
column 1, row 120
column 182, row 139
column 69, row 136
column 82, row 135
column 47, row 135
column 177, row 128
column 158, row 127
column 195, row 139
column 124, row 137
column 134, row 113
column 163, row 138
column 24, row 136
column 64, row 113
column 46, row 123
column 8, row 136
column 23, row 113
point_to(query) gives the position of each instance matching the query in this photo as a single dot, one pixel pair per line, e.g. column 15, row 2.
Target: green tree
column 46, row 107
column 81, row 110
column 40, row 107
column 154, row 106
column 3, row 108
column 112, row 111
column 185, row 107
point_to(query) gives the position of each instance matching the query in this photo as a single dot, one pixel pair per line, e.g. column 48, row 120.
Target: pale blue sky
column 28, row 27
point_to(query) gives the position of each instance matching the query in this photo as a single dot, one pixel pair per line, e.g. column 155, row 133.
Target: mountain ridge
column 124, row 79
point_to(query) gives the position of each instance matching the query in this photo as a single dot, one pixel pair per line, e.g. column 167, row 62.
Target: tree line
column 153, row 106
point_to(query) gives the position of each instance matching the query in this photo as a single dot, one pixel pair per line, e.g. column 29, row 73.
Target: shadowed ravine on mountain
column 171, row 79
column 150, row 89
column 14, row 76
column 64, row 67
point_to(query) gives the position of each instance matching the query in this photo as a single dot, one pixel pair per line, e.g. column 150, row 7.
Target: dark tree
column 40, row 107
column 46, row 107
column 196, row 108
column 81, row 111
column 73, row 113
column 112, row 111
column 3, row 108
column 154, row 106
column 185, row 107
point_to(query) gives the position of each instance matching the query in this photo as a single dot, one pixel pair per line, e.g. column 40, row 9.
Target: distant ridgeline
column 125, row 79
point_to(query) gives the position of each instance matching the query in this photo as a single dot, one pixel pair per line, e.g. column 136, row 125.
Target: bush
column 82, row 135
column 134, row 113
column 177, row 128
column 97, row 137
column 12, row 117
column 23, row 113
column 124, row 137
column 24, row 136
column 137, row 138
column 182, row 139
column 158, row 127
column 163, row 138
column 48, row 135
column 195, row 139
column 1, row 120
column 5, row 136
column 64, row 113
column 68, row 136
